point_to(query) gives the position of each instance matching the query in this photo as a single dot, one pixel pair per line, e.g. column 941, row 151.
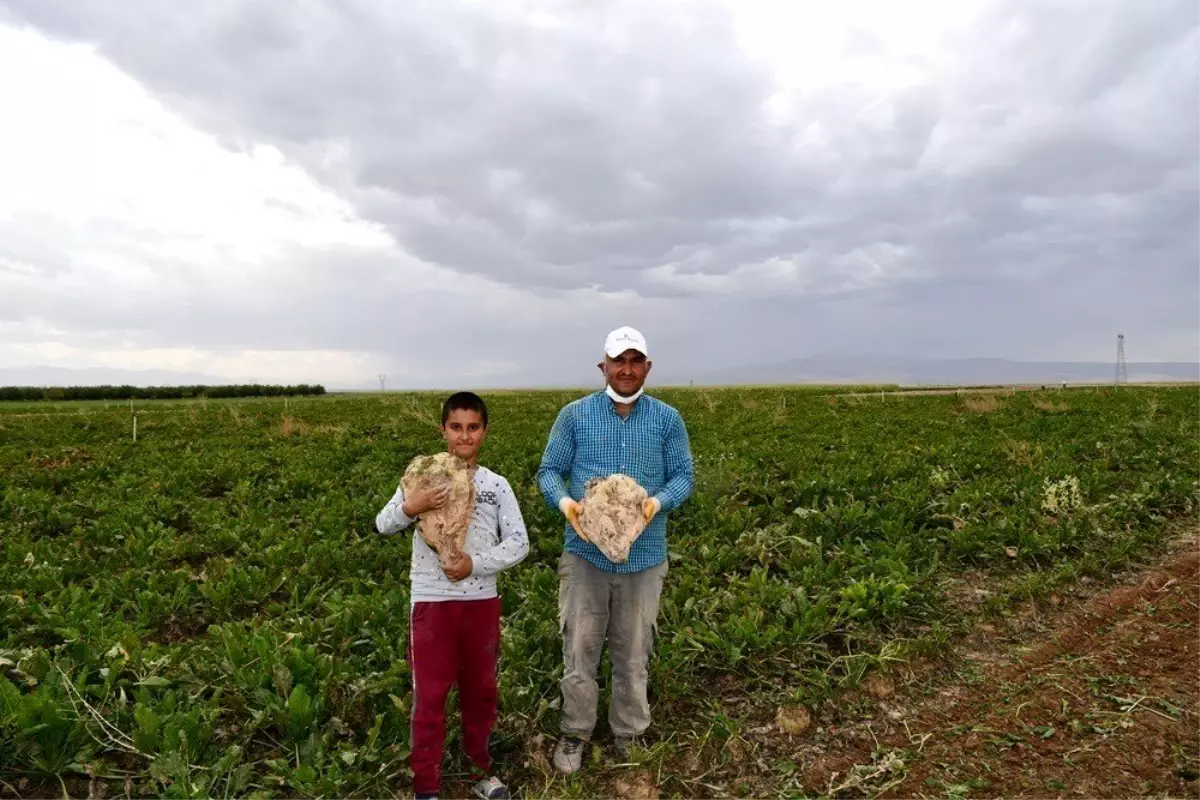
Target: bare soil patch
column 1106, row 704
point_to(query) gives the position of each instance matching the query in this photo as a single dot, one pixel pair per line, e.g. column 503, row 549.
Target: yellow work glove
column 571, row 510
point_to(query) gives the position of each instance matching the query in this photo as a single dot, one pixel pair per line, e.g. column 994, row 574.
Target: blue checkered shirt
column 590, row 439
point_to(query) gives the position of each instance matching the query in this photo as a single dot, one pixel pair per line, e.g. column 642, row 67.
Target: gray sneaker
column 623, row 747
column 491, row 789
column 568, row 756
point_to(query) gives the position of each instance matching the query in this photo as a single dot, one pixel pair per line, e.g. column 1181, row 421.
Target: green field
column 209, row 612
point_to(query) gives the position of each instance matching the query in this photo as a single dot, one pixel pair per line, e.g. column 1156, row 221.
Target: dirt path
column 1106, row 704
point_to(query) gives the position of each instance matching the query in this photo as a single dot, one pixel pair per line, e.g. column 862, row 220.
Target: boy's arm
column 678, row 465
column 514, row 540
column 392, row 518
column 557, row 459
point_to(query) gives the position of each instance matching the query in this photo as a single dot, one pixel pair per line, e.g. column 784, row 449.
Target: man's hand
column 571, row 510
column 425, row 498
column 650, row 508
column 458, row 566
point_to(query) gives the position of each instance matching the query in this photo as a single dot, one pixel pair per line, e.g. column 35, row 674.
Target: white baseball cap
column 622, row 339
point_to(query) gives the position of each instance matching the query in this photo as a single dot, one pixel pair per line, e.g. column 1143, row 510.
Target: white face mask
column 611, row 392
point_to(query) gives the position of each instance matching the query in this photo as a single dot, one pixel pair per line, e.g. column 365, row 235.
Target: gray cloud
column 1046, row 163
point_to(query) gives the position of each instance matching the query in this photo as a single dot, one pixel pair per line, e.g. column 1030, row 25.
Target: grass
column 216, row 593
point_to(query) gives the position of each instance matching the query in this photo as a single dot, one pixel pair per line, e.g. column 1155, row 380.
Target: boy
column 454, row 634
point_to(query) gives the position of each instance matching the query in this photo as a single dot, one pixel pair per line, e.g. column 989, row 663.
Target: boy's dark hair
column 464, row 401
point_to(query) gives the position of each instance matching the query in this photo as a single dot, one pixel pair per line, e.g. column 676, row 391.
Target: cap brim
column 612, row 354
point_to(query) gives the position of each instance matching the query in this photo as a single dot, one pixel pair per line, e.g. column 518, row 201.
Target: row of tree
column 37, row 393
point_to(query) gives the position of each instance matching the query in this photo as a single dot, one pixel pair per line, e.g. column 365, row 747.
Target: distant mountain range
column 943, row 371
column 823, row 368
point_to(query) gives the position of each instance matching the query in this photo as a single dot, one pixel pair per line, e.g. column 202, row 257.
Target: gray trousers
column 592, row 605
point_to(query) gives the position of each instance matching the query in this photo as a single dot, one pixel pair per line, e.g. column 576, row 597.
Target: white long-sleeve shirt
column 496, row 540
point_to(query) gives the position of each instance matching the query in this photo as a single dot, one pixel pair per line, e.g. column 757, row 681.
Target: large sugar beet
column 611, row 517
column 443, row 529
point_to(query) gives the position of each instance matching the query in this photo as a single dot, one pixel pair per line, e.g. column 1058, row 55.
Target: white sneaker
column 491, row 788
column 568, row 756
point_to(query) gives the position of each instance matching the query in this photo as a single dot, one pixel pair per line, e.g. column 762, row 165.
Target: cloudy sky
column 464, row 191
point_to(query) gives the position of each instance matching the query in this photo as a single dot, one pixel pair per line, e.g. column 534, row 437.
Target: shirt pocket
column 653, row 459
column 653, row 465
column 594, row 450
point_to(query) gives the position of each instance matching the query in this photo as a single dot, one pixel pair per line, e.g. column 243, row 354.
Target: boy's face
column 464, row 432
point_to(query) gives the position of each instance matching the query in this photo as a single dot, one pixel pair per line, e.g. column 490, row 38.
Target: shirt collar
column 611, row 404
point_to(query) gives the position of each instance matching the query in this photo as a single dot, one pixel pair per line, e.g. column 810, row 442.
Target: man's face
column 464, row 432
column 627, row 372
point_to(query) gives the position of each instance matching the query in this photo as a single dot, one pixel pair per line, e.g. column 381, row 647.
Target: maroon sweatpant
column 449, row 642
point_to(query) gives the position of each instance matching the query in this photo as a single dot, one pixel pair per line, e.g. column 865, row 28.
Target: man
column 618, row 430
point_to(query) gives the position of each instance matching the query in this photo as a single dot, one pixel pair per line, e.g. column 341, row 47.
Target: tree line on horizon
column 126, row 392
